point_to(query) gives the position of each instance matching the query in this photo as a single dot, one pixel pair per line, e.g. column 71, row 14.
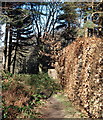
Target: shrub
column 23, row 92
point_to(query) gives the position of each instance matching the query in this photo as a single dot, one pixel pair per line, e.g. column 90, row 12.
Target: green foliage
column 12, row 112
column 6, row 75
column 7, row 111
column 89, row 24
column 38, row 82
column 30, row 90
column 80, row 32
column 43, row 82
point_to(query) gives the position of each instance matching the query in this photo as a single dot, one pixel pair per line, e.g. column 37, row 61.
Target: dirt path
column 58, row 106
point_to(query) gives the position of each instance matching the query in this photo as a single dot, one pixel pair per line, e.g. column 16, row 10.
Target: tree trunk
column 86, row 32
column 40, row 68
column 5, row 47
column 15, row 57
column 15, row 54
column 10, row 50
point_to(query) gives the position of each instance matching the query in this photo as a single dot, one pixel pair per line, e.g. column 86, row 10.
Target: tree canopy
column 42, row 26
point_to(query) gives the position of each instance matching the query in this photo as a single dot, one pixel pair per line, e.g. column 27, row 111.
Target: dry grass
column 14, row 95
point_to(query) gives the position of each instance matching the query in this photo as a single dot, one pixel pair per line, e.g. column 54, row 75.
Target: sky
column 3, row 29
column 2, row 38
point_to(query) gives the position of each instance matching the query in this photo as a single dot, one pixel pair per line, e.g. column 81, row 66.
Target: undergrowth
column 23, row 93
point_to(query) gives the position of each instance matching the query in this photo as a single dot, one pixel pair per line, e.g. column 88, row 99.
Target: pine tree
column 68, row 20
column 20, row 31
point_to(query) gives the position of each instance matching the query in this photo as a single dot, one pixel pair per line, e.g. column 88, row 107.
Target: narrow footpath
column 58, row 106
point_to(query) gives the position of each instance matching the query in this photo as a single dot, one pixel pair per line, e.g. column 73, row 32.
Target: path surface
column 58, row 106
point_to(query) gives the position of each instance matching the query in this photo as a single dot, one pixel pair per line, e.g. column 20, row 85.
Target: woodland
column 51, row 48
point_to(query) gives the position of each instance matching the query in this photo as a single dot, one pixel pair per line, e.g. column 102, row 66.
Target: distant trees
column 18, row 32
column 97, row 17
column 68, row 20
column 23, row 25
column 45, row 19
column 91, row 14
column 39, row 30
